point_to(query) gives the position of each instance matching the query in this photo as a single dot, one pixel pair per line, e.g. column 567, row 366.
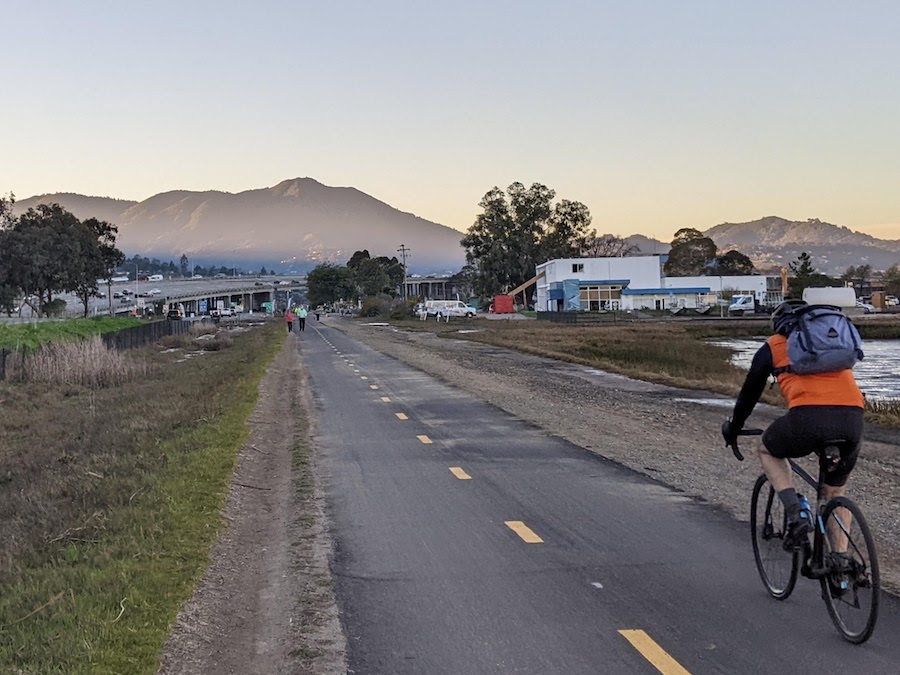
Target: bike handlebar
column 743, row 432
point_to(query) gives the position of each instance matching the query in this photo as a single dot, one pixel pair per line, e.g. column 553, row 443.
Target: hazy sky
column 657, row 115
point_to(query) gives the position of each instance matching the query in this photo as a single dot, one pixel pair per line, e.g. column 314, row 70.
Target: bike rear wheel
column 852, row 587
column 768, row 524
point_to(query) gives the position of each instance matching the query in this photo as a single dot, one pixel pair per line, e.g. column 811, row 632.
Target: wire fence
column 127, row 338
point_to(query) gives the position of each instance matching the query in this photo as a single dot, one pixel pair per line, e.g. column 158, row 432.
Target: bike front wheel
column 851, row 586
column 768, row 524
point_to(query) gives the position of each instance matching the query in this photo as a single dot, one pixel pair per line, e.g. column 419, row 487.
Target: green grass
column 135, row 540
column 33, row 335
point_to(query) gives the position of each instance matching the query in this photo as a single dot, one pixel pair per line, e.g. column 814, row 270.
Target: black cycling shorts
column 807, row 428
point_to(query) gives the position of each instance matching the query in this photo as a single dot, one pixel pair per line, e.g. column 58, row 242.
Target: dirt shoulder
column 668, row 433
column 265, row 604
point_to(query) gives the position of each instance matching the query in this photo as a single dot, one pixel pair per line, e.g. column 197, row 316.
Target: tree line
column 46, row 251
column 362, row 276
column 521, row 228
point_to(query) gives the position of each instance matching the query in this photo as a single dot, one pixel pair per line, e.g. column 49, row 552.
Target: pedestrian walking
column 301, row 315
column 289, row 317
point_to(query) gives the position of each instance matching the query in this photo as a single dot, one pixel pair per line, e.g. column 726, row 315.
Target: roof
column 664, row 291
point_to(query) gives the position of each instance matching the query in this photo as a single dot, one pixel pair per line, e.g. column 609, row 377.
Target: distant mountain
column 776, row 242
column 298, row 222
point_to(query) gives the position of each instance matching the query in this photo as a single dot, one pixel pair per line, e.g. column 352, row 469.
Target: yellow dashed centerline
column 424, row 439
column 373, row 386
column 386, row 399
column 362, row 377
column 653, row 652
column 401, row 416
column 459, row 473
column 526, row 533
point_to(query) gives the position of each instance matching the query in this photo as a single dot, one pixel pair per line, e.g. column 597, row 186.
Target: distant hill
column 774, row 242
column 297, row 222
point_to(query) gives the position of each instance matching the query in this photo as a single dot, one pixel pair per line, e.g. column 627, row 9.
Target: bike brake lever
column 737, row 453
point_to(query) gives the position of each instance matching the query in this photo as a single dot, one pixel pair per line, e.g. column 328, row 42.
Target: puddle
column 714, row 402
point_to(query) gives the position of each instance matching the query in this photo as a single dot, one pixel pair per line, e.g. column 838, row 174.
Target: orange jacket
column 838, row 388
column 289, row 316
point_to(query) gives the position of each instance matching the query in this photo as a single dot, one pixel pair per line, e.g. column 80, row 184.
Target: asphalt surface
column 434, row 572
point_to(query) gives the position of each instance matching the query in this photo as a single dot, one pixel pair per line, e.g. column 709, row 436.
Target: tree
column 262, row 271
column 519, row 229
column 733, row 263
column 690, row 254
column 608, row 246
column 97, row 257
column 890, row 278
column 803, row 275
column 184, row 265
column 329, row 283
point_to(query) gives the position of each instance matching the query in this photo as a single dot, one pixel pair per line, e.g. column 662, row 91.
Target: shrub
column 218, row 343
column 403, row 309
column 55, row 307
column 370, row 307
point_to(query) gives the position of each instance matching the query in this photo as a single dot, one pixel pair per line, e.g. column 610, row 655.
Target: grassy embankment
column 30, row 335
column 109, row 501
column 675, row 353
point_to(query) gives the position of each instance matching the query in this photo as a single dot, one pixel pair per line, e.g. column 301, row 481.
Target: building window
column 577, row 267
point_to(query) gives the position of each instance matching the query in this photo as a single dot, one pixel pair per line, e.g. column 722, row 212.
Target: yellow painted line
column 653, row 652
column 385, row 399
column 362, row 377
column 401, row 416
column 459, row 473
column 424, row 439
column 528, row 535
column 373, row 386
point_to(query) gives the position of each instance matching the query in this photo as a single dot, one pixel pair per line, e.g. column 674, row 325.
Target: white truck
column 741, row 305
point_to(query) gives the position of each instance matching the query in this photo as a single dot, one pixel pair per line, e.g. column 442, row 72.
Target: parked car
column 125, row 301
column 154, row 291
column 869, row 309
column 117, row 295
column 174, row 314
column 891, row 300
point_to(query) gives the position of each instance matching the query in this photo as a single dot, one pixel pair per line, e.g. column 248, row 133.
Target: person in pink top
column 289, row 317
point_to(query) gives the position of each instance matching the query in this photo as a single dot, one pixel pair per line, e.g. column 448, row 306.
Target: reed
column 86, row 363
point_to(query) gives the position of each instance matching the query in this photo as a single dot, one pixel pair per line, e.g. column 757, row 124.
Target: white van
column 448, row 308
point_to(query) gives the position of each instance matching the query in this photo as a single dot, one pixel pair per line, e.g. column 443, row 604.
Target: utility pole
column 403, row 251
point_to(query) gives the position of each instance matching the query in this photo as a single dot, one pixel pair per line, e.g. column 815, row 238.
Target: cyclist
column 821, row 408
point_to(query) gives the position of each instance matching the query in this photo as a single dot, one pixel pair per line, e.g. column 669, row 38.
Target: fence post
column 2, row 365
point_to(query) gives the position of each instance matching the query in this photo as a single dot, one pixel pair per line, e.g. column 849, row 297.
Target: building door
column 661, row 304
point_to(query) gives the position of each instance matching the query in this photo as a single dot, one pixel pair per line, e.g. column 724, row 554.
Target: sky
column 655, row 114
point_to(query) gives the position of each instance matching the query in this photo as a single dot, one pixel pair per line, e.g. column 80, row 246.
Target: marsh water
column 878, row 374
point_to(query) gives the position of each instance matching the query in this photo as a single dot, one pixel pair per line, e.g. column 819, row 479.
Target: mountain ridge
column 301, row 219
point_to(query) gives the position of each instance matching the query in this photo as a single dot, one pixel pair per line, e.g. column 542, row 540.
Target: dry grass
column 203, row 328
column 86, row 363
column 667, row 353
column 115, row 493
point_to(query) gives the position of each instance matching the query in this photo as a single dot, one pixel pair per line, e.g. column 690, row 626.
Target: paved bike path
column 430, row 579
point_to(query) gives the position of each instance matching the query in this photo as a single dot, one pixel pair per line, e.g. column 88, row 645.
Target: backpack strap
column 781, row 371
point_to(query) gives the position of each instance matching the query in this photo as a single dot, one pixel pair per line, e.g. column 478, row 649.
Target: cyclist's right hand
column 730, row 434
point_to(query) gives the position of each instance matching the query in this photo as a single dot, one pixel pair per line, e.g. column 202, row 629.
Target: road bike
column 839, row 553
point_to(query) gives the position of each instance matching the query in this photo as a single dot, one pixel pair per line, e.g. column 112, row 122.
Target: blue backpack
column 822, row 340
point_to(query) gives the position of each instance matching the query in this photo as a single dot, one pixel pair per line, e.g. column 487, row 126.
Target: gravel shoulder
column 265, row 604
column 668, row 433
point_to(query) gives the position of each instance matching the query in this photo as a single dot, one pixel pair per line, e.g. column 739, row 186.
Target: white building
column 594, row 284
